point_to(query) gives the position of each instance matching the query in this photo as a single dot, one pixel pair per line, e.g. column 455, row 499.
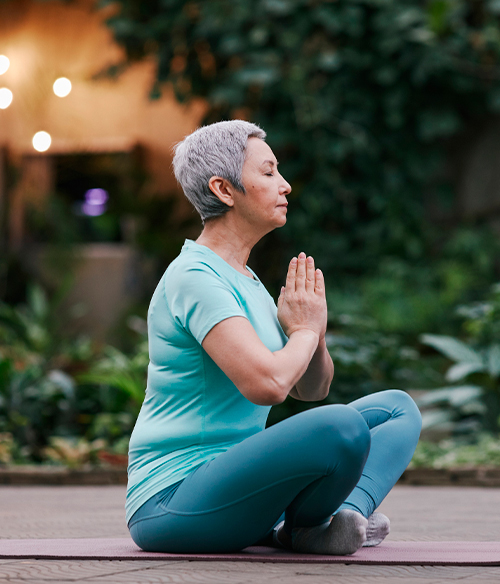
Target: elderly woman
column 204, row 473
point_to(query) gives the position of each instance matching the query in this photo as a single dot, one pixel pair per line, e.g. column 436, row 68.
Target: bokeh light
column 62, row 87
column 5, row 97
column 95, row 202
column 42, row 141
column 4, row 64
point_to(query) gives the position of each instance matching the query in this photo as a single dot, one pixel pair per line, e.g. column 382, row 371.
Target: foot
column 343, row 535
column 378, row 529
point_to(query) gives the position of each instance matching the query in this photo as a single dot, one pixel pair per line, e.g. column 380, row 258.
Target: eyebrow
column 271, row 162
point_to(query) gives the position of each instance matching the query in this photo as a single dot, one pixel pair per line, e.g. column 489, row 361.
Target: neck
column 230, row 242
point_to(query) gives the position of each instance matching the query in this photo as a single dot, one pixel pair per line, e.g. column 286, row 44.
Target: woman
column 204, row 474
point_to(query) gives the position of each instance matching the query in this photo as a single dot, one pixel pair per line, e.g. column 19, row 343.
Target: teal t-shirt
column 192, row 411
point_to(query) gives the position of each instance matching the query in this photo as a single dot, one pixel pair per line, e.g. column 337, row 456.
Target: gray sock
column 377, row 530
column 343, row 535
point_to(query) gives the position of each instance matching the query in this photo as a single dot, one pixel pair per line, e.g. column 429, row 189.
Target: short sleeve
column 199, row 298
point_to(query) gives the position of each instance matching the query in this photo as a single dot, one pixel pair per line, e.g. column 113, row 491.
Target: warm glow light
column 4, row 64
column 5, row 98
column 62, row 87
column 41, row 141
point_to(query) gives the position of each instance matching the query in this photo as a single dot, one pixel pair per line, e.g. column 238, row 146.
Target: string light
column 42, row 141
column 5, row 98
column 4, row 64
column 62, row 87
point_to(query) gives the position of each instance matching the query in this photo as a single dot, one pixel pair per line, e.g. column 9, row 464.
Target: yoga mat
column 422, row 553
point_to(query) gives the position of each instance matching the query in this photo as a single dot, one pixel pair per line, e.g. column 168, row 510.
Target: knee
column 407, row 408
column 343, row 429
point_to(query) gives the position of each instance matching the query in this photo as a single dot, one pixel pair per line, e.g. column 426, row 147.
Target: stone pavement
column 416, row 513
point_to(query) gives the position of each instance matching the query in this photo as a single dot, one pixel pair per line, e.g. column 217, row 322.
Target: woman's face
column 264, row 203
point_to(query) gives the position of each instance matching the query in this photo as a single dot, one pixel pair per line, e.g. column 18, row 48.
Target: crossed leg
column 308, row 466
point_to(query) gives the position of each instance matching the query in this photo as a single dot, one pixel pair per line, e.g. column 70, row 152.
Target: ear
column 222, row 189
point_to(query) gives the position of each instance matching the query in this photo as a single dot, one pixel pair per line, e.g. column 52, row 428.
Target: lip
column 283, row 205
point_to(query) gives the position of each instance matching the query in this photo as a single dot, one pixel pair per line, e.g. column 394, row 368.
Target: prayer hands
column 302, row 302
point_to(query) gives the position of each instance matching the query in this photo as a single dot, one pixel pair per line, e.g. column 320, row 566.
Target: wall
column 51, row 39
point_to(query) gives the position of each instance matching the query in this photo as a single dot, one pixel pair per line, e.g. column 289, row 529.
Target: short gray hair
column 215, row 150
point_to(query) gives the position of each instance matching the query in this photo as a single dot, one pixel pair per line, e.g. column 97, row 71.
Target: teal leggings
column 306, row 467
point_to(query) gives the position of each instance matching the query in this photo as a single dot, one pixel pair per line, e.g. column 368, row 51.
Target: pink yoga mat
column 434, row 553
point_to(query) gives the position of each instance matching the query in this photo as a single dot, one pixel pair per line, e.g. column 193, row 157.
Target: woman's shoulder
column 193, row 258
column 194, row 271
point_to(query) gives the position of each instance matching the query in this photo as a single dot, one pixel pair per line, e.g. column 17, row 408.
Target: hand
column 302, row 302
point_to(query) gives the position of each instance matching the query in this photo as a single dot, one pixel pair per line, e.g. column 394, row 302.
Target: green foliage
column 485, row 451
column 477, row 358
column 407, row 297
column 73, row 452
column 7, row 447
column 122, row 372
column 115, row 382
column 451, row 411
column 357, row 97
column 366, row 361
column 61, row 390
column 37, row 390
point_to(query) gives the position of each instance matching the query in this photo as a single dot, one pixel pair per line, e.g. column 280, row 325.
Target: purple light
column 96, row 197
column 93, row 210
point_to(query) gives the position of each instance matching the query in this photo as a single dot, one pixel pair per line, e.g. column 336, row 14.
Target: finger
column 281, row 297
column 310, row 275
column 300, row 280
column 291, row 275
column 319, row 285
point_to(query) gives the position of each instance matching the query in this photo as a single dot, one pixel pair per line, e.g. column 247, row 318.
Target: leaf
column 440, row 418
column 494, row 360
column 438, row 11
column 37, row 301
column 452, row 348
column 456, row 396
column 461, row 370
column 63, row 381
column 125, row 381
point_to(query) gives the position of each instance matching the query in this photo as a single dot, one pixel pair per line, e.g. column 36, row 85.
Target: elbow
column 328, row 381
column 265, row 392
column 326, row 389
column 324, row 394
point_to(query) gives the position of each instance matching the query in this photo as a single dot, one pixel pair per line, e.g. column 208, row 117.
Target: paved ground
column 417, row 513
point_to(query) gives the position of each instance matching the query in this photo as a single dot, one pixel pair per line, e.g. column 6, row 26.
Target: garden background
column 384, row 116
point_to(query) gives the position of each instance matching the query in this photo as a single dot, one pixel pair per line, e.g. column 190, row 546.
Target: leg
column 305, row 466
column 395, row 424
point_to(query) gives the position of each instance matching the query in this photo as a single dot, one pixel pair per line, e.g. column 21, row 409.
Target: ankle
column 343, row 535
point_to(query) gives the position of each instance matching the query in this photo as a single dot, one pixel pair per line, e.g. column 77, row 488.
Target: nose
column 285, row 188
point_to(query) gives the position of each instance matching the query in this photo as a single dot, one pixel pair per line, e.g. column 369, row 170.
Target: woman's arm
column 314, row 385
column 262, row 376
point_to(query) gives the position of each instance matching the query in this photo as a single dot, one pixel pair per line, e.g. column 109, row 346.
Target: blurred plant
column 450, row 411
column 121, row 372
column 37, row 388
column 358, row 98
column 51, row 385
column 112, row 389
column 73, row 452
column 477, row 359
column 366, row 361
column 406, row 297
column 34, row 403
column 31, row 332
column 485, row 451
column 7, row 446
